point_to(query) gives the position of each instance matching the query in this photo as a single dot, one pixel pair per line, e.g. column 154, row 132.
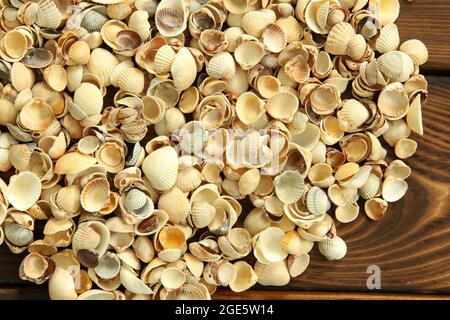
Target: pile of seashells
column 132, row 130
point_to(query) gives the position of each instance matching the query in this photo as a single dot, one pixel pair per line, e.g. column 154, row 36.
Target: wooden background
column 411, row 245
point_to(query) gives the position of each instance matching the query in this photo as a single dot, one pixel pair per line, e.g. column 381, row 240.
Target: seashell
column 88, row 98
column 289, row 186
column 79, row 53
column 189, row 100
column 202, row 213
column 36, row 115
column 248, row 54
column 254, row 22
column 23, row 97
column 19, row 155
column 396, row 65
column 17, row 234
column 325, row 99
column 15, row 45
column 293, row 244
column 21, row 76
column 249, row 108
column 323, row 66
column 317, row 201
column 108, row 266
column 131, row 80
column 194, row 265
column 132, row 283
column 101, row 64
column 95, row 195
column 397, row 169
column 23, row 190
column 405, row 148
column 283, row 106
column 414, row 116
column 175, row 203
column 171, row 17
column 221, row 66
column 164, row 59
column 61, row 285
column 339, row 38
column 97, row 294
column 249, row 181
column 119, row 11
column 298, row 264
column 308, row 138
column 347, row 213
column 56, row 77
column 93, row 236
column 393, row 189
column 397, row 131
column 291, row 28
column 375, row 208
column 184, row 69
column 416, row 50
column 274, row 38
column 161, row 168
column 212, row 41
column 268, row 86
column 371, row 188
column 388, row 40
column 93, row 20
column 321, row 175
column 233, row 36
column 354, row 113
column 297, row 69
column 236, row 6
column 139, row 22
column 388, row 11
column 73, row 163
column 273, row 274
column 393, row 101
column 48, row 15
column 68, row 199
column 245, row 277
column 268, row 247
column 172, row 278
column 357, row 47
column 188, row 179
column 333, row 249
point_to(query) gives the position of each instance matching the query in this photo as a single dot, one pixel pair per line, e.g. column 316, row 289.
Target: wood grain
column 410, row 245
column 429, row 21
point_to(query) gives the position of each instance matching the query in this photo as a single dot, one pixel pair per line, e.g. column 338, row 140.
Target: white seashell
column 289, row 186
column 132, row 283
column 245, row 277
column 317, row 201
column 333, row 249
column 183, row 69
column 273, row 274
column 161, row 168
column 394, row 189
column 23, row 190
column 414, row 116
column 298, row 264
column 405, row 148
column 171, row 17
column 347, row 213
column 417, row 51
column 61, row 285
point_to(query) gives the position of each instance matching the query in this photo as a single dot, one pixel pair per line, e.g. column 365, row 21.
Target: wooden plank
column 429, row 21
column 40, row 293
column 410, row 245
column 321, row 295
